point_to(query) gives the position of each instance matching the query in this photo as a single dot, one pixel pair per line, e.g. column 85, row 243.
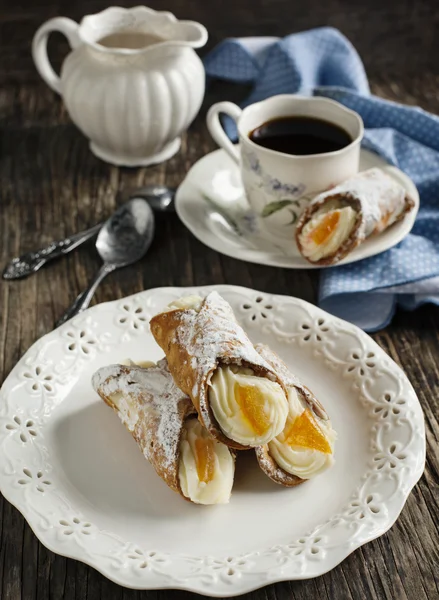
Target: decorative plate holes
column 80, row 341
column 257, row 309
column 229, row 567
column 314, row 331
column 234, row 565
column 389, row 459
column 24, row 427
column 310, row 546
column 389, row 406
column 38, row 380
column 36, row 479
column 132, row 316
column 75, row 525
column 143, row 559
column 362, row 362
column 359, row 509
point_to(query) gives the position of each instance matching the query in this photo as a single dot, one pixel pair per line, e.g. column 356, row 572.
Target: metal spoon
column 160, row 198
column 123, row 240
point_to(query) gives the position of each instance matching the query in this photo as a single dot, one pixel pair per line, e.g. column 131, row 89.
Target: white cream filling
column 186, row 302
column 343, row 229
column 127, row 412
column 298, row 460
column 231, row 417
column 219, row 488
column 222, row 398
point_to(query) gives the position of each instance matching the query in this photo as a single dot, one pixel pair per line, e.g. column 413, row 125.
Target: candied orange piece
column 305, row 432
column 325, row 228
column 252, row 402
column 205, row 459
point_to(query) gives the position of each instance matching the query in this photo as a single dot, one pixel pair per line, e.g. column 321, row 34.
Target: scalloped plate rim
column 12, row 495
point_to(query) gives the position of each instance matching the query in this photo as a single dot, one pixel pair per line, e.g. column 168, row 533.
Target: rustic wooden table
column 52, row 186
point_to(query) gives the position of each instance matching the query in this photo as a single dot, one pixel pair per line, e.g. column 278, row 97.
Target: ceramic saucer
column 212, row 204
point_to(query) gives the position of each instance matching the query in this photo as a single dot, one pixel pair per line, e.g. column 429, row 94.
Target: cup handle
column 39, row 48
column 216, row 130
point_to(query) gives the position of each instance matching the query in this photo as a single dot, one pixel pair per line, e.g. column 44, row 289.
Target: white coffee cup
column 278, row 186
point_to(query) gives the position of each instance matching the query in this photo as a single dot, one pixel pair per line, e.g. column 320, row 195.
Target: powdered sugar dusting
column 377, row 193
column 212, row 336
column 378, row 200
column 289, row 379
column 160, row 405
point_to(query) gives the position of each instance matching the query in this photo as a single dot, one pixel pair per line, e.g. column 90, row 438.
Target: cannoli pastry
column 306, row 445
column 340, row 219
column 163, row 422
column 239, row 398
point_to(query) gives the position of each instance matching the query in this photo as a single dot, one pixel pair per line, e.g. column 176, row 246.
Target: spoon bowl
column 123, row 239
column 159, row 197
column 127, row 235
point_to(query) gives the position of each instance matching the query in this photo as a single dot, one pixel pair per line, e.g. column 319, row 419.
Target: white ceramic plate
column 79, row 479
column 216, row 177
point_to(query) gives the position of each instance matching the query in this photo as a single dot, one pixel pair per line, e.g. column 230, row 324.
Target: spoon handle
column 83, row 300
column 31, row 262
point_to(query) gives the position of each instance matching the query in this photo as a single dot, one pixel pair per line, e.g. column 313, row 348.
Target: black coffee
column 300, row 135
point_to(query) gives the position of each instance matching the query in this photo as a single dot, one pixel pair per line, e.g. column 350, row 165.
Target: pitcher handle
column 216, row 130
column 39, row 48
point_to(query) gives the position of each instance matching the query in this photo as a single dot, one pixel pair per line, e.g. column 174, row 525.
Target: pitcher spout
column 114, row 24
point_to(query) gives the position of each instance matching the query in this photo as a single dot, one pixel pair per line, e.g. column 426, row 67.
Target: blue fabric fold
column 323, row 62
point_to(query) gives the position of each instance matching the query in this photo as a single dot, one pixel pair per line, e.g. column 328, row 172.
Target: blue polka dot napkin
column 323, row 62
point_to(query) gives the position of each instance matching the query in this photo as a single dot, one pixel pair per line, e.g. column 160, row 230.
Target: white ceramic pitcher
column 133, row 103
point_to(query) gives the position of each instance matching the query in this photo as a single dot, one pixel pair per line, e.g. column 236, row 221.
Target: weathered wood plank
column 51, row 186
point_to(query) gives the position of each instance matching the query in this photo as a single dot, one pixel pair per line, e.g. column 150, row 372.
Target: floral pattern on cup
column 275, row 183
column 288, row 196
